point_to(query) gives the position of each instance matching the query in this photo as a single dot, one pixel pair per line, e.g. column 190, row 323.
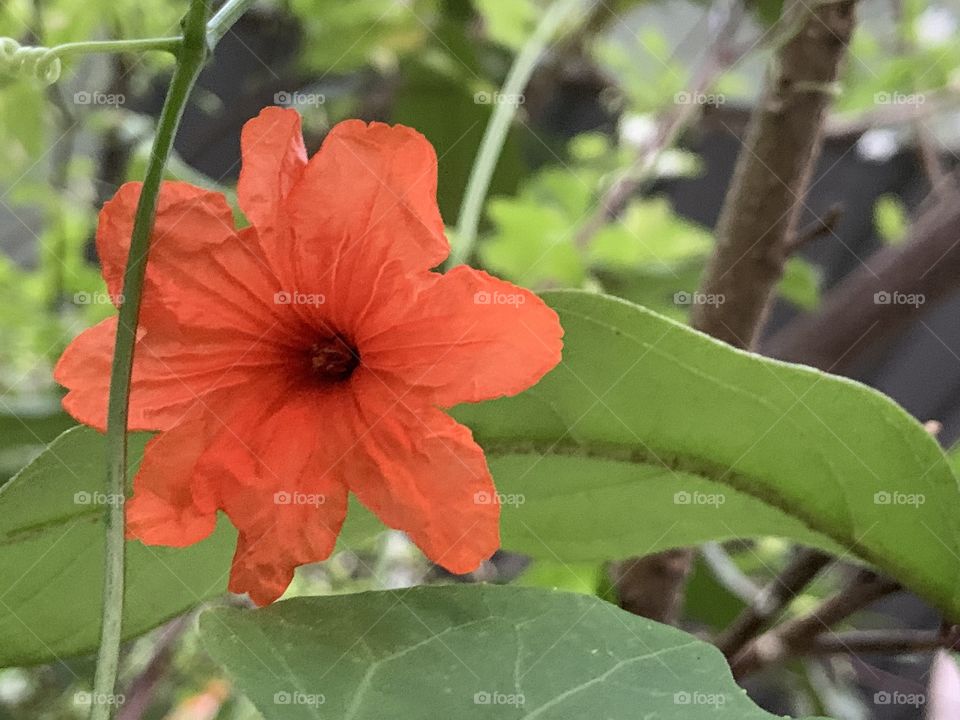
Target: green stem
column 225, row 19
column 44, row 63
column 496, row 133
column 193, row 54
column 165, row 44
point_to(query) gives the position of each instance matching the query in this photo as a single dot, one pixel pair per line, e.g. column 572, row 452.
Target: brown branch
column 772, row 600
column 926, row 268
column 652, row 585
column 881, row 642
column 758, row 219
column 793, row 637
column 825, row 225
column 760, row 212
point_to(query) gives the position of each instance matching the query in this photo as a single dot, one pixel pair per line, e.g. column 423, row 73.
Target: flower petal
column 468, row 337
column 163, row 509
column 273, row 160
column 204, row 281
column 421, row 472
column 366, row 199
column 280, row 481
column 168, row 379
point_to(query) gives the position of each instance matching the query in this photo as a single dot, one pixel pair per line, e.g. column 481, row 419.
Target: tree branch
column 772, row 600
column 793, row 637
column 760, row 212
column 927, row 267
column 882, row 642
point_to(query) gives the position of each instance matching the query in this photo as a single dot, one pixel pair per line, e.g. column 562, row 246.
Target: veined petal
column 275, row 469
column 163, row 509
column 421, row 472
column 366, row 200
column 167, row 379
column 205, row 281
column 274, row 158
column 468, row 337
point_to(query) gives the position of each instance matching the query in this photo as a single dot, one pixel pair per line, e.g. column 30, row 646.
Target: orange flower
column 305, row 357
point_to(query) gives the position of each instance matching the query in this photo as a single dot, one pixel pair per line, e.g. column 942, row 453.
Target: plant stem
column 225, row 19
column 496, row 133
column 772, row 599
column 794, row 635
column 165, row 44
column 44, row 63
column 193, row 54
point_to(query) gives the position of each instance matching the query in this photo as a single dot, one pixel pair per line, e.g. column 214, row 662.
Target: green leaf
column 532, row 242
column 649, row 234
column 650, row 435
column 800, row 284
column 890, row 218
column 509, row 24
column 51, row 552
column 469, row 652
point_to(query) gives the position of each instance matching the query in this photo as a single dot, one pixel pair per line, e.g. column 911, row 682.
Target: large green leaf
column 650, row 435
column 51, row 555
column 469, row 652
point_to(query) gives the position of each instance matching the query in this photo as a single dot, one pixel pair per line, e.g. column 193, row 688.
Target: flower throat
column 333, row 359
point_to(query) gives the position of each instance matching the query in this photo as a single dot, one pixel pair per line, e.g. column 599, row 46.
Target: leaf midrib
column 745, row 483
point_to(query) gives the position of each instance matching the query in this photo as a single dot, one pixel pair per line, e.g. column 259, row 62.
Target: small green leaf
column 508, row 23
column 801, row 284
column 532, row 242
column 890, row 217
column 469, row 652
column 649, row 234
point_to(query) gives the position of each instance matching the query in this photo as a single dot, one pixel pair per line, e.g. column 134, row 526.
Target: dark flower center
column 333, row 359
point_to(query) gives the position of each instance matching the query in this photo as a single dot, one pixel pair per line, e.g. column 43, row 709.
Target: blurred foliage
column 890, row 218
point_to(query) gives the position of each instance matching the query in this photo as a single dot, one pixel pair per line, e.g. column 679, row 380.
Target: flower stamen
column 333, row 359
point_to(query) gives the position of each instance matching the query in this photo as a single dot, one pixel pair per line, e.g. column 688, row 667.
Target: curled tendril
column 40, row 62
